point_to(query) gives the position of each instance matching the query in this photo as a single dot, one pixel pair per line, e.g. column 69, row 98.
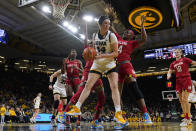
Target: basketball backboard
column 22, row 3
column 169, row 94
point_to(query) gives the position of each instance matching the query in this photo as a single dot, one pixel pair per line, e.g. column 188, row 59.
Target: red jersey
column 181, row 67
column 72, row 67
column 125, row 48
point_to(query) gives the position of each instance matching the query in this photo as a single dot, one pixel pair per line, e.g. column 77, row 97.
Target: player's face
column 127, row 35
column 105, row 25
column 178, row 53
column 73, row 54
column 39, row 94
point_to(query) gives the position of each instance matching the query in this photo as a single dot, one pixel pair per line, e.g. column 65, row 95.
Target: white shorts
column 60, row 91
column 103, row 69
column 192, row 98
column 36, row 106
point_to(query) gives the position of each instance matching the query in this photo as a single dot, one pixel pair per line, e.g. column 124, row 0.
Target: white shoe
column 34, row 121
column 31, row 120
column 186, row 123
column 53, row 122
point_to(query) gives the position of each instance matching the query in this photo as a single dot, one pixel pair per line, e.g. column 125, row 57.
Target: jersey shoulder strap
column 110, row 37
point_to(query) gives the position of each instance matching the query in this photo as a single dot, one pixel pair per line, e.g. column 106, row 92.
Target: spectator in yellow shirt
column 13, row 114
column 2, row 111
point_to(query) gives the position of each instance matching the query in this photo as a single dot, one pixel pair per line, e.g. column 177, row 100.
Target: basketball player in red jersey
column 126, row 46
column 183, row 82
column 98, row 88
column 73, row 68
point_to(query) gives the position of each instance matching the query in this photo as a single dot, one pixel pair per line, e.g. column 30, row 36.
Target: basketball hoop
column 170, row 97
column 59, row 7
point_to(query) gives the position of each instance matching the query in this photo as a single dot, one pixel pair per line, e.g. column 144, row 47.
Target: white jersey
column 103, row 46
column 60, row 82
column 37, row 100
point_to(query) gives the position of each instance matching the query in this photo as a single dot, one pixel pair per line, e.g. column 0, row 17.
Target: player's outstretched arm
column 143, row 32
column 52, row 77
column 169, row 74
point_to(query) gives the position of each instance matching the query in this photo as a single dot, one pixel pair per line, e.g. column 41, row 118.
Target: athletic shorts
column 124, row 70
column 73, row 82
column 103, row 69
column 184, row 83
column 36, row 106
column 192, row 98
column 60, row 91
column 85, row 78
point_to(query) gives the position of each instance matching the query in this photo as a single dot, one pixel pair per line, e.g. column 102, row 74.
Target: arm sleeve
column 187, row 60
column 113, row 38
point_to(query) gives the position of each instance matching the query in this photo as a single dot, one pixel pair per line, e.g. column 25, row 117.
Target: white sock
column 78, row 104
column 118, row 108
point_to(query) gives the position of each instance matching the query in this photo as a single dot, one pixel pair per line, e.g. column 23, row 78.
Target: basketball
column 89, row 53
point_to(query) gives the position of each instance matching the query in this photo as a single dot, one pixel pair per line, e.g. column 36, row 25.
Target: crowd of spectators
column 18, row 89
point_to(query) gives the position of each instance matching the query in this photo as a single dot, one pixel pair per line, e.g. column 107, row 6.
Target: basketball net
column 170, row 98
column 59, row 7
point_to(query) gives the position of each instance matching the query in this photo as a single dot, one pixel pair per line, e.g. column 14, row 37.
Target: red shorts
column 85, row 78
column 184, row 83
column 124, row 70
column 73, row 82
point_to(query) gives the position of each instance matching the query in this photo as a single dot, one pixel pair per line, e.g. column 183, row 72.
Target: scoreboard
column 168, row 52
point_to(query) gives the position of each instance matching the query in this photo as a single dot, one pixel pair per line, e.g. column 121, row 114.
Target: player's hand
column 98, row 56
column 143, row 18
column 68, row 1
column 168, row 76
column 50, row 87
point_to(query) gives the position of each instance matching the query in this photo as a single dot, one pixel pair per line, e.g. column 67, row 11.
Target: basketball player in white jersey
column 192, row 95
column 36, row 101
column 106, row 45
column 59, row 92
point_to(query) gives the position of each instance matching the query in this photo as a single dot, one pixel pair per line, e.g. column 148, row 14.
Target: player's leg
column 55, row 106
column 181, row 102
column 35, row 114
column 92, row 78
column 184, row 98
column 120, row 88
column 76, row 84
column 139, row 98
column 100, row 103
column 69, row 89
column 113, row 80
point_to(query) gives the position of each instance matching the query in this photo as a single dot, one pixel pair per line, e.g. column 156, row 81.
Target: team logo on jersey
column 153, row 17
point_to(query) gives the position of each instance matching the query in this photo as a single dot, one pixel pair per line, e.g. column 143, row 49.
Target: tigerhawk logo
column 153, row 17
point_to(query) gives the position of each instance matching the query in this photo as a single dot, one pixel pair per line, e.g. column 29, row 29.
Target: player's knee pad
column 135, row 90
column 56, row 104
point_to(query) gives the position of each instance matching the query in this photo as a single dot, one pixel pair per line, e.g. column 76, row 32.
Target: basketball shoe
column 74, row 111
